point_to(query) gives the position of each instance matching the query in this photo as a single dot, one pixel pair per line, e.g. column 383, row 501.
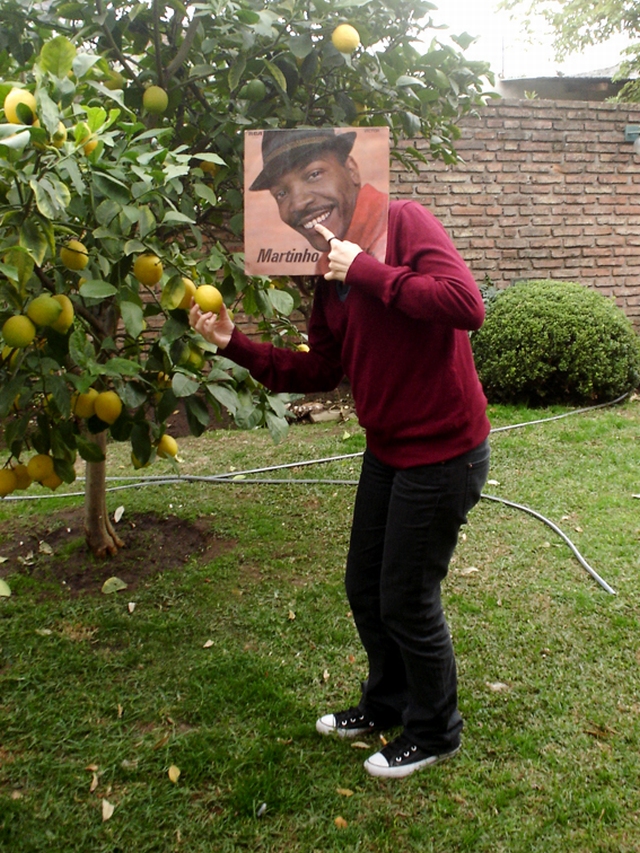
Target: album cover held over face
column 296, row 179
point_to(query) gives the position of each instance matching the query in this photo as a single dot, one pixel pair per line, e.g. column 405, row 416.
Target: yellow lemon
column 44, row 310
column 189, row 293
column 20, row 107
column 52, row 481
column 148, row 269
column 60, row 136
column 303, row 348
column 345, row 38
column 23, row 478
column 74, row 255
column 84, row 405
column 67, row 313
column 18, row 331
column 208, row 298
column 155, row 100
column 8, row 481
column 108, row 406
column 167, row 446
column 40, row 466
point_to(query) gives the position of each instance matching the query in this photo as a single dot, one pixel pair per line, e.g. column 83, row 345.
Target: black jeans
column 405, row 530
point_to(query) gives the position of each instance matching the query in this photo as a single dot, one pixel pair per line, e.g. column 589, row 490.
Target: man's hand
column 215, row 328
column 340, row 256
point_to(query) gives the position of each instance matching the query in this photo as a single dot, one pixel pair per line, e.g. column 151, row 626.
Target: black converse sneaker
column 350, row 723
column 401, row 757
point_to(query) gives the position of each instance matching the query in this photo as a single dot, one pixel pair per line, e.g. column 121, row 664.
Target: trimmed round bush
column 546, row 342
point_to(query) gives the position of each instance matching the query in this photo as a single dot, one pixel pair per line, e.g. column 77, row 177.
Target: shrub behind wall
column 547, row 341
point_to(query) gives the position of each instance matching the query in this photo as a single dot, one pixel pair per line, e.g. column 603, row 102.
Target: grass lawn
column 222, row 667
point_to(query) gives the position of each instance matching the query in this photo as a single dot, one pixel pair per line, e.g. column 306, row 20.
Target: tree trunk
column 100, row 535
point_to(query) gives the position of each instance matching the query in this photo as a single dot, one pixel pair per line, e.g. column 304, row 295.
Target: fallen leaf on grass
column 360, row 744
column 92, row 768
column 469, row 571
column 497, row 686
column 174, row 773
column 262, row 810
column 5, row 590
column 291, row 616
column 4, row 559
column 131, row 606
column 208, row 644
column 325, row 675
column 112, row 585
column 45, row 548
column 44, row 632
column 340, row 822
column 107, row 810
column 345, row 792
column 164, row 740
column 94, row 783
column 117, row 515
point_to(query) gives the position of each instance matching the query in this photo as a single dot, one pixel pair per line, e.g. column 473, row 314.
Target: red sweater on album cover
column 399, row 331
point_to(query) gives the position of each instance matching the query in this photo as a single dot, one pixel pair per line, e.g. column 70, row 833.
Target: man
column 315, row 180
column 398, row 329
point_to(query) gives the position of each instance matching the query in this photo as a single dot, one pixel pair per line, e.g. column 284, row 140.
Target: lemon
column 52, row 481
column 20, row 107
column 254, row 90
column 209, row 168
column 209, row 298
column 44, row 310
column 40, row 466
column 8, row 481
column 18, row 331
column 60, row 136
column 67, row 313
column 155, row 100
column 148, row 269
column 84, row 137
column 23, row 478
column 189, row 293
column 108, row 406
column 84, row 405
column 167, row 446
column 303, row 348
column 345, row 38
column 74, row 255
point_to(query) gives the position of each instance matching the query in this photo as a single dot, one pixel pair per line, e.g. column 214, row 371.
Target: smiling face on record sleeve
column 322, row 191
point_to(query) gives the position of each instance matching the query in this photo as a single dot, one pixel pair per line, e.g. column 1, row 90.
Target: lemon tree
column 121, row 178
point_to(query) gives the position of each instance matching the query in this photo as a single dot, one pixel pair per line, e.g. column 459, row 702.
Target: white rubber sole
column 327, row 726
column 376, row 765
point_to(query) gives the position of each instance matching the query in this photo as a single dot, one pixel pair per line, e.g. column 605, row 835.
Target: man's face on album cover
column 323, row 192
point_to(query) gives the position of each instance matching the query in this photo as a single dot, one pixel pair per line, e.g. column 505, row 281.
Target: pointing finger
column 328, row 235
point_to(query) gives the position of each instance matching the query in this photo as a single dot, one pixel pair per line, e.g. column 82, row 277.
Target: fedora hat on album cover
column 283, row 150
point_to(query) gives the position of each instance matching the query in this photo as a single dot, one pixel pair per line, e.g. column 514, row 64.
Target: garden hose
column 245, row 478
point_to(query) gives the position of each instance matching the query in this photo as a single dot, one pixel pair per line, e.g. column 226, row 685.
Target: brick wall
column 547, row 189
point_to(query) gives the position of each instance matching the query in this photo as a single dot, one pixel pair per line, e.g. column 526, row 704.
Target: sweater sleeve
column 424, row 275
column 284, row 370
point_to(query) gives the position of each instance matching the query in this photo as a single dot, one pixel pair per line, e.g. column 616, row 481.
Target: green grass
column 551, row 760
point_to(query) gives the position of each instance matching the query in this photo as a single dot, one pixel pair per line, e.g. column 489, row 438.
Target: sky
column 502, row 42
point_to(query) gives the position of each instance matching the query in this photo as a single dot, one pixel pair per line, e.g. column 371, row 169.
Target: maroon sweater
column 399, row 331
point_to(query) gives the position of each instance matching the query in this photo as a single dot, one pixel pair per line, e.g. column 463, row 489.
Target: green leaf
column 133, row 318
column 176, row 216
column 97, row 289
column 16, row 141
column 236, row 72
column 228, row 397
column 172, row 293
column 277, row 75
column 57, row 56
column 31, row 238
column 121, row 367
column 278, row 427
column 184, row 386
column 89, row 450
column 112, row 585
column 281, row 301
column 5, row 591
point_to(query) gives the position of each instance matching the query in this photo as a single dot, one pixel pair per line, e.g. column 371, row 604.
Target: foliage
column 555, row 342
column 577, row 25
column 97, row 167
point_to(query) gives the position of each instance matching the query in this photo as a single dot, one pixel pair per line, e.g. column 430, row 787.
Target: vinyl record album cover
column 297, row 178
